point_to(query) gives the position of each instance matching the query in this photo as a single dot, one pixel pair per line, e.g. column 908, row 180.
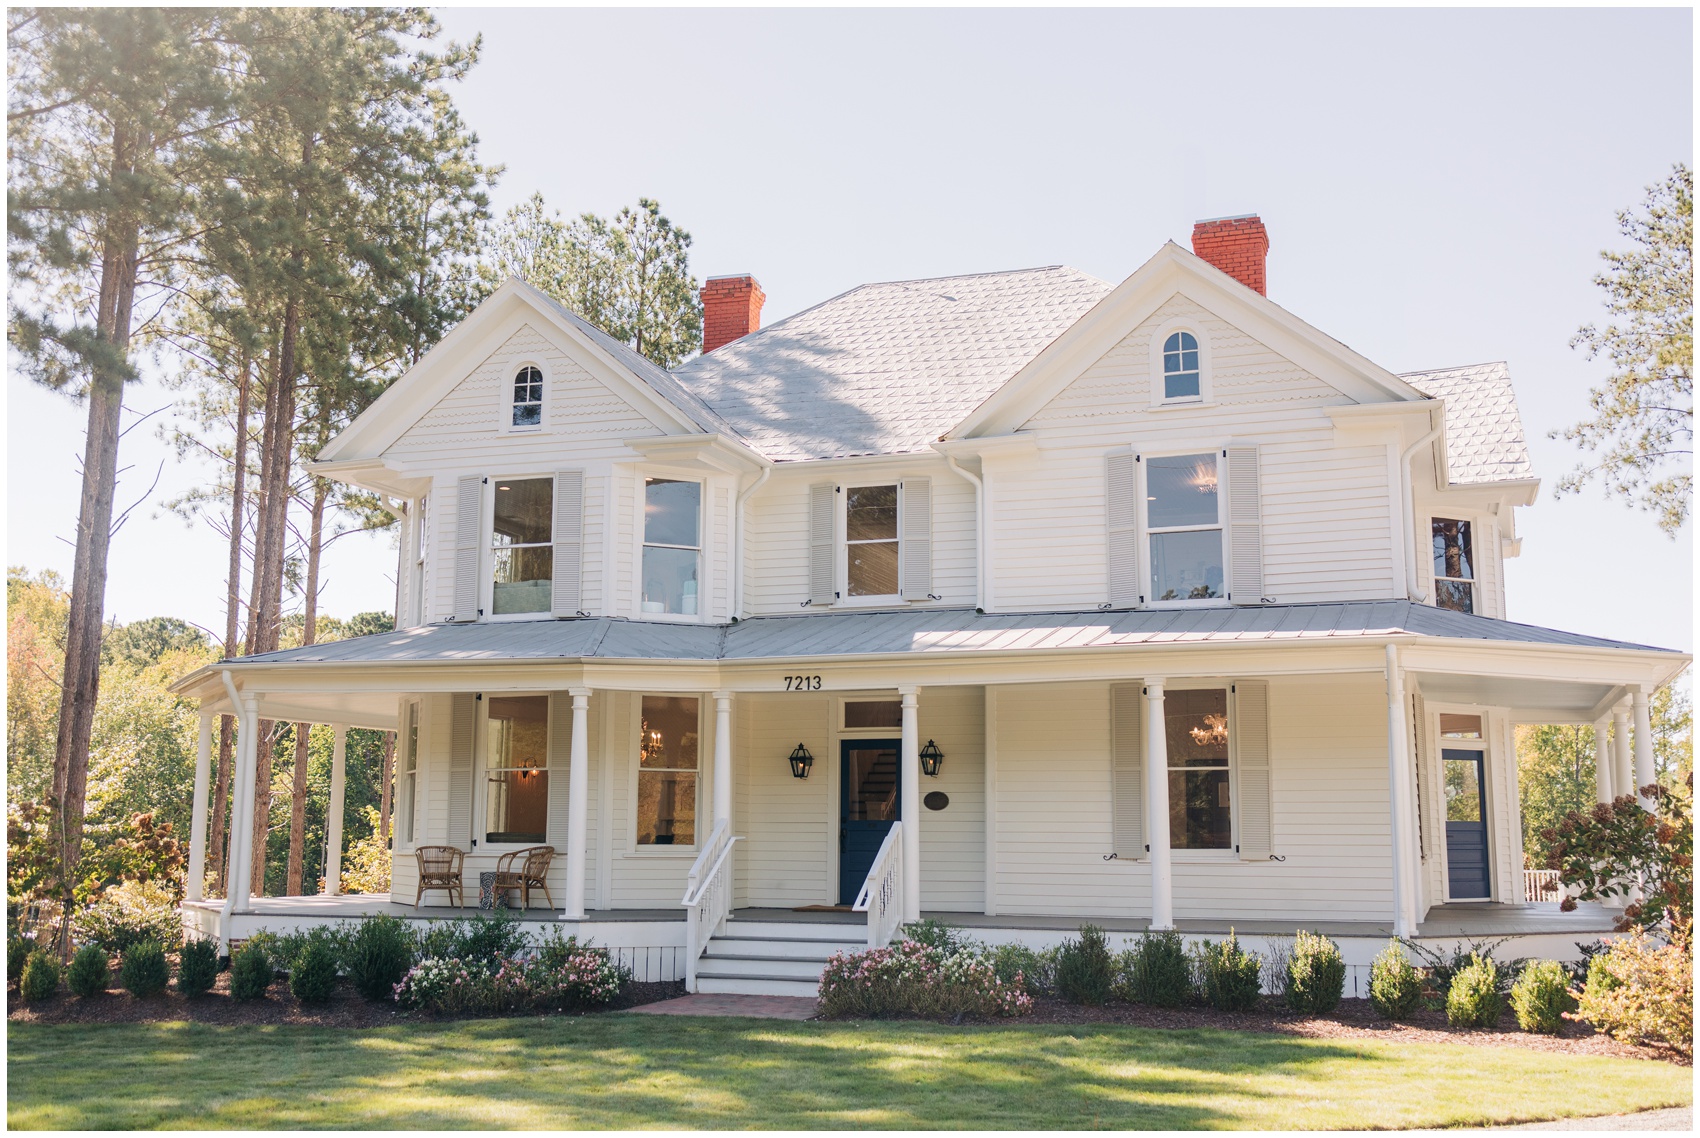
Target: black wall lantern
column 801, row 761
column 931, row 759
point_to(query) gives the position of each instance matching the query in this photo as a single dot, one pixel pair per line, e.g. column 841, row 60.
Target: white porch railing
column 1542, row 885
column 882, row 893
column 708, row 898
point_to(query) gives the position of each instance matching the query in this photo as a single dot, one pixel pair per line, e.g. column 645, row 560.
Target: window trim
column 416, row 607
column 481, row 771
column 1490, row 798
column 1206, row 393
column 702, row 547
column 843, row 543
column 1232, row 852
column 411, row 734
column 1475, row 582
column 511, row 373
column 1147, row 565
column 487, row 554
column 634, row 761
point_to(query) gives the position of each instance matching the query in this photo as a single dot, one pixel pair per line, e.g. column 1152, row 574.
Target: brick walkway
column 757, row 1007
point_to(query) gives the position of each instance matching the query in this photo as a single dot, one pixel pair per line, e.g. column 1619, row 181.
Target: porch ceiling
column 1533, row 701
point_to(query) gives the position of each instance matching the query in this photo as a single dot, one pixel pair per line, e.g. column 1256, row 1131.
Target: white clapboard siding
column 1253, row 805
column 1121, row 510
column 469, row 545
column 823, row 543
column 649, row 877
column 1127, row 771
column 560, row 769
column 1245, row 527
column 915, row 544
column 568, row 589
column 722, row 538
column 953, row 840
column 463, row 722
column 786, row 822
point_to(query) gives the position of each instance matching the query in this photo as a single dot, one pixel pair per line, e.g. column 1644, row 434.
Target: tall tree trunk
column 232, row 617
column 386, row 776
column 81, row 684
column 298, row 786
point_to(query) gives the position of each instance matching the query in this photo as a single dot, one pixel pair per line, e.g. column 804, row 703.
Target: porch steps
column 774, row 958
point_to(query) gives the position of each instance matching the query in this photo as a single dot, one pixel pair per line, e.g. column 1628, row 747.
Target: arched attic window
column 528, row 397
column 1180, row 366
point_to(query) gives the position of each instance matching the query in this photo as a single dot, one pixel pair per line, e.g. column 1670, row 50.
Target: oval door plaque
column 936, row 800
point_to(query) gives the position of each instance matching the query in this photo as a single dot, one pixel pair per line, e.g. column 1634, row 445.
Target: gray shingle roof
column 1484, row 433
column 931, row 631
column 886, row 368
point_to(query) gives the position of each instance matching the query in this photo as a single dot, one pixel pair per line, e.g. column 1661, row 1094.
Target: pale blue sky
column 1437, row 187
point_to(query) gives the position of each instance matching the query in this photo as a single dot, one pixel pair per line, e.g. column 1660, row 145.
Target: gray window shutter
column 1251, row 750
column 1127, row 771
column 1245, row 527
column 469, row 543
column 1122, row 509
column 823, row 531
column 915, row 540
column 569, row 542
column 560, row 768
column 463, row 720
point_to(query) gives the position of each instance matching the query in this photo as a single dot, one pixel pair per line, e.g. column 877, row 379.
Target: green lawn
column 635, row 1071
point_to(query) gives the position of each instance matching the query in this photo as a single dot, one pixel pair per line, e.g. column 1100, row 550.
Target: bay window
column 672, row 546
column 1184, row 523
column 522, row 553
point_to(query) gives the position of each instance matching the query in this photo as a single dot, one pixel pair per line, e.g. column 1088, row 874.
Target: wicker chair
column 525, row 870
column 440, row 868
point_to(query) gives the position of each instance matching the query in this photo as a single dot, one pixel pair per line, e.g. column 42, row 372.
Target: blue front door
column 871, row 803
column 1466, row 826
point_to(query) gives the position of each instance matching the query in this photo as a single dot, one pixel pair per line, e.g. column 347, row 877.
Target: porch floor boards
column 1477, row 921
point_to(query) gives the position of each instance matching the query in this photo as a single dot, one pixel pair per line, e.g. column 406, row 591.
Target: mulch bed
column 1353, row 1019
column 345, row 1009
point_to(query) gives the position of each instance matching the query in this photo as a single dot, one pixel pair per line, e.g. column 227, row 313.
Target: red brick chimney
column 731, row 307
column 1238, row 246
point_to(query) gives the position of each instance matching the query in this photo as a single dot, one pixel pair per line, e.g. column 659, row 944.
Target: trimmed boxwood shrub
column 143, row 969
column 1228, row 975
column 379, row 954
column 250, row 972
column 1085, row 969
column 90, row 969
column 312, row 979
column 1316, row 974
column 1395, row 984
column 197, row 967
column 1539, row 997
column 40, row 980
column 1473, row 1000
column 1156, row 971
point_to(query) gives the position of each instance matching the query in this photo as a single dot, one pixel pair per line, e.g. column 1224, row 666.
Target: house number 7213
column 802, row 683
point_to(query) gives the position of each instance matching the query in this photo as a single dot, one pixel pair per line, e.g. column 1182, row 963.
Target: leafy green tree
column 1641, row 430
column 1555, row 776
column 142, row 643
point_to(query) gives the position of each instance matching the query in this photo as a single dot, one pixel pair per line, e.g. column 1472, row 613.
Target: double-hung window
column 672, row 546
column 407, row 784
column 1200, row 792
column 1184, row 523
column 667, row 771
column 1454, row 565
column 522, row 553
column 516, row 769
column 870, row 541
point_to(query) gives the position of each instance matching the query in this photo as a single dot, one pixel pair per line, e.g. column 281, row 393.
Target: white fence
column 882, row 893
column 708, row 898
column 1542, row 885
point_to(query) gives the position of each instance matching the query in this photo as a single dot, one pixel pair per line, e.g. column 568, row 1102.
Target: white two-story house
column 1019, row 599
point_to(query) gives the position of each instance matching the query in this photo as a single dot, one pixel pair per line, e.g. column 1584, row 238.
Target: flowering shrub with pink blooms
column 910, row 978
column 569, row 981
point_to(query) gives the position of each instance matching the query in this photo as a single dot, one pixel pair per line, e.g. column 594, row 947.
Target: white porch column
column 333, row 823
column 1398, row 789
column 193, row 887
column 1157, row 806
column 910, row 773
column 236, row 892
column 723, row 758
column 1644, row 775
column 1623, row 773
column 578, row 805
column 1603, row 791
